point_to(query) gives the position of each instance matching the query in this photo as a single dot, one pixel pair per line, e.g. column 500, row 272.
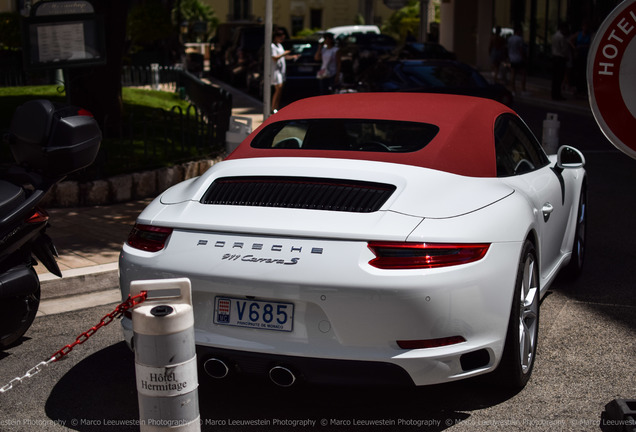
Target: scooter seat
column 11, row 196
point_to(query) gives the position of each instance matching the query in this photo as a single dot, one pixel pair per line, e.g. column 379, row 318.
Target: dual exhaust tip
column 279, row 375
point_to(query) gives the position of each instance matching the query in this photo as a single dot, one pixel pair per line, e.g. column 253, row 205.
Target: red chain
column 107, row 319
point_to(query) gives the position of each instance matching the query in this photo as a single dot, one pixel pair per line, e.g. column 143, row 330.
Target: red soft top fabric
column 464, row 145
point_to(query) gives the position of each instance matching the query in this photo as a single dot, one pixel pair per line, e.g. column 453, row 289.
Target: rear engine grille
column 299, row 193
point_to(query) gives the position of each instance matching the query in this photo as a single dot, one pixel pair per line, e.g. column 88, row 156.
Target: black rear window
column 347, row 134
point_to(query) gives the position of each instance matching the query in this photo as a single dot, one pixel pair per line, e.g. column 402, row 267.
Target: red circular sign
column 611, row 77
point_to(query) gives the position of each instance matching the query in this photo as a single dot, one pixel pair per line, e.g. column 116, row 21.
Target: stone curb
column 123, row 188
column 88, row 280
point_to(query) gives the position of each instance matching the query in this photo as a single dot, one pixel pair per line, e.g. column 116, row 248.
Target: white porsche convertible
column 371, row 238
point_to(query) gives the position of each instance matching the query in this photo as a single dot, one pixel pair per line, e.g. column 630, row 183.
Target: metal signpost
column 267, row 61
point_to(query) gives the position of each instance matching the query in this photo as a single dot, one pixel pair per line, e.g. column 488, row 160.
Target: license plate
column 256, row 314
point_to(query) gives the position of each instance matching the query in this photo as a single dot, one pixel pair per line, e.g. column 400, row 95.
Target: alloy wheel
column 528, row 314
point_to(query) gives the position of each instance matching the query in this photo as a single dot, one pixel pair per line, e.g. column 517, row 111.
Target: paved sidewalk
column 538, row 93
column 89, row 239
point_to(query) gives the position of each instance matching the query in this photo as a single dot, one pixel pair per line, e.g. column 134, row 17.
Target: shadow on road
column 99, row 389
column 99, row 394
column 606, row 282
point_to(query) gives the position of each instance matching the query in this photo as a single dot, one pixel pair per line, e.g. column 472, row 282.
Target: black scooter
column 48, row 142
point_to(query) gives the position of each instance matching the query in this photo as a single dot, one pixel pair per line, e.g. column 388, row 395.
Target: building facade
column 466, row 25
column 296, row 15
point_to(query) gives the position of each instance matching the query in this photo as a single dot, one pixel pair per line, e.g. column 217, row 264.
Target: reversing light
column 148, row 238
column 430, row 343
column 403, row 255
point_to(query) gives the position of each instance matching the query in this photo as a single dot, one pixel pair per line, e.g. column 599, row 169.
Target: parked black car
column 360, row 51
column 431, row 76
column 302, row 73
column 425, row 50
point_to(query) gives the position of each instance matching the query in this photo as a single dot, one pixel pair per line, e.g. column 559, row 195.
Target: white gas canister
column 165, row 357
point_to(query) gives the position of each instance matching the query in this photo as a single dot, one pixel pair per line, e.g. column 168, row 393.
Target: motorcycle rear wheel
column 17, row 316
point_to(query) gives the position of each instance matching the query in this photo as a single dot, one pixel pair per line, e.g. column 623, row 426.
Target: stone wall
column 123, row 188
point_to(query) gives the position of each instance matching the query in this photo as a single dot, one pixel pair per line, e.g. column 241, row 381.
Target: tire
column 575, row 266
column 520, row 347
column 17, row 316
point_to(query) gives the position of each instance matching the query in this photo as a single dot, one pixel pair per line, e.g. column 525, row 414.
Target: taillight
column 402, row 255
column 84, row 113
column 430, row 343
column 38, row 216
column 148, row 238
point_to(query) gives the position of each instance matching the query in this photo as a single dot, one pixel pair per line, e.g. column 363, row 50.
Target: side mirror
column 569, row 157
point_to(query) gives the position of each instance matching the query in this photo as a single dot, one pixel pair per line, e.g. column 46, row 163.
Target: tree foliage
column 10, row 31
column 196, row 18
column 404, row 21
column 148, row 23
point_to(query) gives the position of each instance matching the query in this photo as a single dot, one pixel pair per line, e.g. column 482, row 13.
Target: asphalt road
column 586, row 355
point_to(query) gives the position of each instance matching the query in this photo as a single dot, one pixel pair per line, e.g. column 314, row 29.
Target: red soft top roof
column 464, row 145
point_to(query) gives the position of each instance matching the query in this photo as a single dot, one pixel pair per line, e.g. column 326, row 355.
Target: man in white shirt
column 559, row 59
column 517, row 57
column 329, row 56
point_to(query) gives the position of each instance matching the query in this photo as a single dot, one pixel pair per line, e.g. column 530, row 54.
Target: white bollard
column 154, row 76
column 550, row 140
column 240, row 128
column 165, row 357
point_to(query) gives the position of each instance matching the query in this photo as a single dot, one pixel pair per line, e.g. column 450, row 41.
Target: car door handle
column 547, row 209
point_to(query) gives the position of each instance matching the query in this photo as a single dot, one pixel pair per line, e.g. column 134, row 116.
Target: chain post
column 129, row 303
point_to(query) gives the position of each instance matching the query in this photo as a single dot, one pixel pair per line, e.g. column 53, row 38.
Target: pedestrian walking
column 518, row 58
column 580, row 42
column 279, row 67
column 497, row 51
column 329, row 56
column 568, row 79
column 559, row 59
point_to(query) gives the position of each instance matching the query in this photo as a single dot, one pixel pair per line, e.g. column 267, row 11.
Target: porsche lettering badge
column 237, row 246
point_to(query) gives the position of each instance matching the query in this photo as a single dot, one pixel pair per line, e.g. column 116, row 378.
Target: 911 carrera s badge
column 255, row 259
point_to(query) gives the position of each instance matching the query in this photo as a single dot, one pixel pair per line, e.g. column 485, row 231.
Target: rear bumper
column 314, row 269
column 411, row 369
column 355, row 319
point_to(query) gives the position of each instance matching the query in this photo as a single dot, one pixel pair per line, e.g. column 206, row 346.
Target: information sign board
column 61, row 34
column 611, row 77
